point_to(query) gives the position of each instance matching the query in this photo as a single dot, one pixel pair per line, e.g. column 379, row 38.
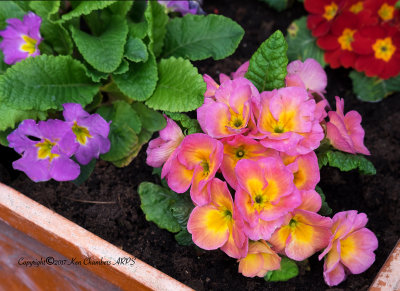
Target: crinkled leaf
column 180, row 87
column 373, row 89
column 182, row 208
column 278, row 5
column 140, row 81
column 346, row 162
column 86, row 170
column 138, row 30
column 136, row 50
column 56, row 36
column 3, row 136
column 157, row 19
column 103, row 52
column 121, row 114
column 184, row 238
column 46, row 82
column 151, row 120
column 95, row 75
column 267, row 68
column 45, row 8
column 325, row 209
column 287, row 271
column 143, row 137
column 9, row 9
column 85, row 8
column 123, row 68
column 301, row 44
column 121, row 7
column 3, row 65
column 9, row 116
column 198, row 37
column 190, row 125
column 155, row 203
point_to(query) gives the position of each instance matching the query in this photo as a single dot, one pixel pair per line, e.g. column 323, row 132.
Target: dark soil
column 123, row 223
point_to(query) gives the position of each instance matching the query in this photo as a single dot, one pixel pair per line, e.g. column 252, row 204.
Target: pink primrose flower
column 351, row 247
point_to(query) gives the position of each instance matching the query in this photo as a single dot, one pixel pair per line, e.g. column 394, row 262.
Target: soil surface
column 122, row 222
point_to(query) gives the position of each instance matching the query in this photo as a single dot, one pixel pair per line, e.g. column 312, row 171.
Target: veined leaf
column 85, row 8
column 157, row 19
column 346, row 162
column 267, row 68
column 9, row 9
column 45, row 8
column 46, row 82
column 180, row 87
column 287, row 271
column 9, row 116
column 103, row 52
column 198, row 37
column 151, row 120
column 136, row 50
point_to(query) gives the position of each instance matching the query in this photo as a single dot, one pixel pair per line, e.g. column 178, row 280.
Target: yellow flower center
column 293, row 29
column 386, row 12
column 206, row 168
column 384, row 49
column 81, row 133
column 44, row 150
column 356, row 8
column 330, row 11
column 346, row 39
column 30, row 44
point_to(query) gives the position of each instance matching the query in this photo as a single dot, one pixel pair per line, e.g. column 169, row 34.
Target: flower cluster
column 47, row 146
column 21, row 38
column 263, row 145
column 364, row 35
column 183, row 6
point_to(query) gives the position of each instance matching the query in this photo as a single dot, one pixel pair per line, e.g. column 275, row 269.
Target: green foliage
column 157, row 19
column 46, row 82
column 397, row 5
column 56, row 36
column 198, row 37
column 139, row 29
column 9, row 116
column 140, row 81
column 301, row 44
column 267, row 68
column 151, row 120
column 180, row 87
column 373, row 89
column 9, row 9
column 135, row 50
column 155, row 203
column 86, row 170
column 124, row 128
column 190, row 125
column 184, row 238
column 278, row 5
column 287, row 271
column 45, row 9
column 104, row 52
column 3, row 65
column 325, row 209
column 122, row 68
column 3, row 136
column 85, row 8
column 346, row 162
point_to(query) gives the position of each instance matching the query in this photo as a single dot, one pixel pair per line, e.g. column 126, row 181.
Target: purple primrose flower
column 184, row 7
column 90, row 130
column 46, row 149
column 21, row 38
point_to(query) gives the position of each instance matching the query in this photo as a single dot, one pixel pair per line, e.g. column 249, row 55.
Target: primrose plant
column 248, row 171
column 82, row 80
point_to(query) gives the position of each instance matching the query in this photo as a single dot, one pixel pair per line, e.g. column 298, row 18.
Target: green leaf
column 157, row 19
column 267, row 68
column 151, row 120
column 86, row 170
column 397, row 5
column 9, row 116
column 138, row 30
column 373, row 89
column 180, row 87
column 45, row 8
column 121, row 114
column 123, row 68
column 140, row 81
column 57, row 37
column 103, row 52
column 184, row 238
column 9, row 9
column 278, row 5
column 182, row 208
column 121, row 7
column 95, row 75
column 46, row 82
column 346, row 162
column 287, row 271
column 325, row 209
column 3, row 136
column 155, row 203
column 136, row 50
column 198, row 37
column 85, row 8
column 190, row 125
column 3, row 65
column 301, row 44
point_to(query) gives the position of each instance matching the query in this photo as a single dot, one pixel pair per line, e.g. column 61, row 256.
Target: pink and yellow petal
column 250, row 176
column 209, row 227
column 195, row 149
column 335, row 276
column 310, row 201
column 251, row 265
column 263, row 229
column 199, row 192
column 220, row 195
column 178, row 177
